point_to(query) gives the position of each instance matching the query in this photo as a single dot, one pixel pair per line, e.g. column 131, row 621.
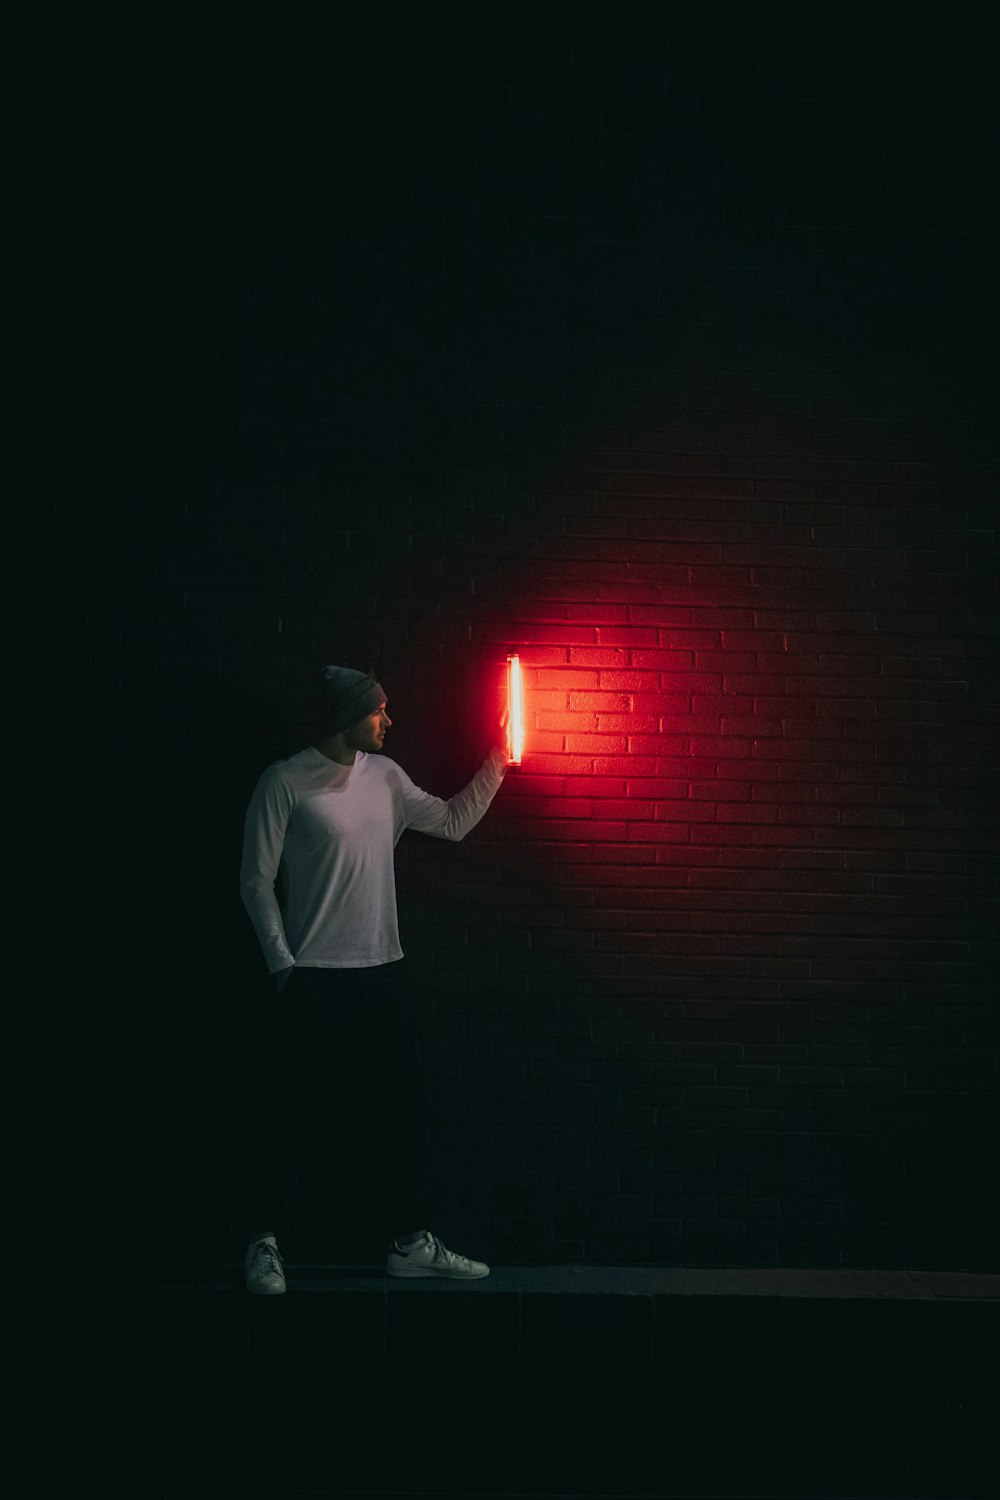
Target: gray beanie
column 349, row 696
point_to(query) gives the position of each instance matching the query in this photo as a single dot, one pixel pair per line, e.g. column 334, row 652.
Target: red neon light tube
column 515, row 712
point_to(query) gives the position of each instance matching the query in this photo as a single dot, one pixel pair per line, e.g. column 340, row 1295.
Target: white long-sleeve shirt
column 332, row 830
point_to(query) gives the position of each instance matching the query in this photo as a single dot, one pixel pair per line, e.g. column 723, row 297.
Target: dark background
column 663, row 359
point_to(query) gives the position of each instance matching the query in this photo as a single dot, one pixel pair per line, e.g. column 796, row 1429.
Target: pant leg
column 375, row 1105
column 286, row 1120
column 344, row 1082
column 399, row 1113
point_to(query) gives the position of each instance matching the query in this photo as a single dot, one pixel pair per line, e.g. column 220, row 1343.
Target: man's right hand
column 502, row 739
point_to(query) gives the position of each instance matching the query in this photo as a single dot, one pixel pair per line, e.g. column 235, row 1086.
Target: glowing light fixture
column 515, row 712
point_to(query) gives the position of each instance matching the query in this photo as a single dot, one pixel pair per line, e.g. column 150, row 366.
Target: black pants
column 343, row 1095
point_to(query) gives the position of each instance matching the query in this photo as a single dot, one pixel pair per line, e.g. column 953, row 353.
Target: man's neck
column 334, row 749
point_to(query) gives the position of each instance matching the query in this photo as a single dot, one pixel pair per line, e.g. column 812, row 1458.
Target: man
column 331, row 817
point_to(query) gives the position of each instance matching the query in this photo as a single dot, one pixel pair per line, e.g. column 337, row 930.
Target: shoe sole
column 267, row 1291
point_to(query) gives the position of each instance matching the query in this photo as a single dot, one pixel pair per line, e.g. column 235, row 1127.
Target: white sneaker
column 428, row 1257
column 263, row 1267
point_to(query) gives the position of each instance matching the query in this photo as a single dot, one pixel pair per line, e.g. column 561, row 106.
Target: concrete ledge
column 628, row 1281
column 539, row 1380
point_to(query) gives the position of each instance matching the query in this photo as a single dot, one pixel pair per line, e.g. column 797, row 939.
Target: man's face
column 368, row 734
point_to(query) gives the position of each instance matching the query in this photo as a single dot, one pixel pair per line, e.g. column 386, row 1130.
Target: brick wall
column 671, row 380
column 729, row 914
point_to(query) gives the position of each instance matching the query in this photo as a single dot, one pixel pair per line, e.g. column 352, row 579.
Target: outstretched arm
column 452, row 819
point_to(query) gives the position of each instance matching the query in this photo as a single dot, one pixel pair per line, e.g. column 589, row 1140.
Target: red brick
column 539, row 741
column 663, row 660
column 746, row 812
column 704, row 745
column 529, row 782
column 551, row 678
column 594, row 744
column 608, row 635
column 605, row 702
column 625, row 765
column 540, row 700
column 630, row 808
column 659, row 832
column 729, row 661
column 566, row 634
column 753, row 640
column 658, row 787
column 716, row 791
column 631, row 724
column 595, row 786
column 558, row 764
column 685, row 811
column 597, row 656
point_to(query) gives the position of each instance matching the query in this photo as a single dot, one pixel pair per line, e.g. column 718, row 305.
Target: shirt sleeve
column 263, row 840
column 453, row 819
